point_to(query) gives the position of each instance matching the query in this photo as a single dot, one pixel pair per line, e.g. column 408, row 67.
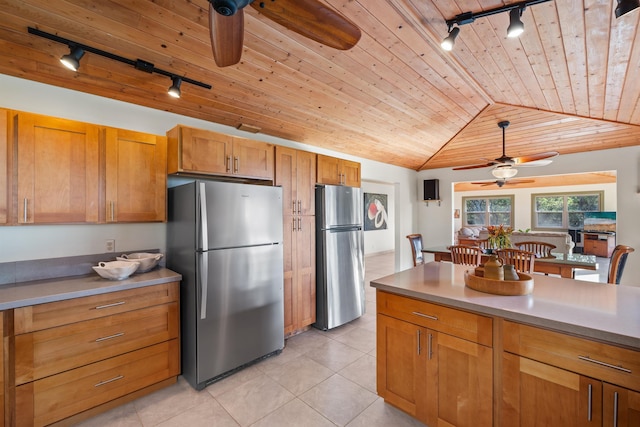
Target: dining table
column 561, row 264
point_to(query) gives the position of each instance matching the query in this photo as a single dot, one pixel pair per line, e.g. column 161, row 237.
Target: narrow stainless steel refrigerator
column 339, row 255
column 226, row 240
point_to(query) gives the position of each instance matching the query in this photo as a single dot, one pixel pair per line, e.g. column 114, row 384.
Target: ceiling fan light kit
column 504, row 172
column 516, row 27
column 72, row 61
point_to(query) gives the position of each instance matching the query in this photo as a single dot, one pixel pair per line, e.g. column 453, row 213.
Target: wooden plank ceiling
column 567, row 84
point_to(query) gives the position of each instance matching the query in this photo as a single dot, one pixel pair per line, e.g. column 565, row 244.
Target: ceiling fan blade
column 484, row 183
column 534, row 157
column 519, row 181
column 312, row 19
column 486, row 165
column 227, row 37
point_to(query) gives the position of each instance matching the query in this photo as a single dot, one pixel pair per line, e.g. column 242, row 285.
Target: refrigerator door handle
column 204, row 275
column 204, row 232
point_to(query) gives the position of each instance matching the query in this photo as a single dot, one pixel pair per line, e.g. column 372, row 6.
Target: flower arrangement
column 500, row 236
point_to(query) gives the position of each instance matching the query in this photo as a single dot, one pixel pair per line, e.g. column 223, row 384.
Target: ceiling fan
column 310, row 18
column 504, row 181
column 504, row 165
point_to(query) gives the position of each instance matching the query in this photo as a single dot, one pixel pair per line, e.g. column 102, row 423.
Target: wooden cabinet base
column 60, row 396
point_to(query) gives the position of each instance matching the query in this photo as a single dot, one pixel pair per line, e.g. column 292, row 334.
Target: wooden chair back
column 416, row 248
column 617, row 262
column 465, row 254
column 521, row 260
column 540, row 249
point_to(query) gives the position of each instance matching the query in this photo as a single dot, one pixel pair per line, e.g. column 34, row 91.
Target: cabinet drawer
column 49, row 315
column 54, row 398
column 594, row 359
column 462, row 324
column 50, row 351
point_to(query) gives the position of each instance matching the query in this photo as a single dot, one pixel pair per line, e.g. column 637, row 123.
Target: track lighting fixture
column 626, row 6
column 72, row 61
column 516, row 27
column 174, row 90
column 449, row 41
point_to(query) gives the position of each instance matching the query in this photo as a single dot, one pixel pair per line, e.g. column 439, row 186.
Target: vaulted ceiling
column 569, row 83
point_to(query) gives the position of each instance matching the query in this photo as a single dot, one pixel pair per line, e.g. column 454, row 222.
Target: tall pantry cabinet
column 295, row 171
column 4, row 166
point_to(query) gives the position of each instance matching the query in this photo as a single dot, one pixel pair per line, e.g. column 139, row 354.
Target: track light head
column 72, row 60
column 449, row 41
column 516, row 27
column 174, row 90
column 626, row 6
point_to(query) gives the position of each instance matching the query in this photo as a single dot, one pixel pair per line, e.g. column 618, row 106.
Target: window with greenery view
column 489, row 210
column 563, row 210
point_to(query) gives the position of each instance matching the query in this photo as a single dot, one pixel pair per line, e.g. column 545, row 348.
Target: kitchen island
column 449, row 355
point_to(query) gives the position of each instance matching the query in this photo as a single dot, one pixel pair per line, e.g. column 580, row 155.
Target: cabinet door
column 459, row 381
column 252, row 158
column 305, row 270
column 57, row 170
column 401, row 365
column 290, row 295
column 328, row 170
column 204, row 151
column 136, row 177
column 4, row 167
column 306, row 183
column 621, row 407
column 541, row 395
column 285, row 176
column 350, row 173
column 2, row 335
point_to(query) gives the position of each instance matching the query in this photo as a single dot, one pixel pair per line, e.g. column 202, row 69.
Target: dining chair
column 617, row 262
column 416, row 248
column 540, row 249
column 466, row 255
column 521, row 260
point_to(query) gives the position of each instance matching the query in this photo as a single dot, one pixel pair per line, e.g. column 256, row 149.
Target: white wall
column 437, row 222
column 377, row 241
column 40, row 241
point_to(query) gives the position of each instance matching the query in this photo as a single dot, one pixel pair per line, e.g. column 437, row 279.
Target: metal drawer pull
column 589, row 417
column 608, row 365
column 419, row 349
column 417, row 313
column 615, row 409
column 430, row 351
column 25, row 208
column 119, row 334
column 119, row 377
column 110, row 305
column 299, row 206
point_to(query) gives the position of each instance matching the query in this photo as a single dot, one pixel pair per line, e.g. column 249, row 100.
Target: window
column 563, row 210
column 489, row 210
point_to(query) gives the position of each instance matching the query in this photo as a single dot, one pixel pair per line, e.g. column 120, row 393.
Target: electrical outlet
column 111, row 245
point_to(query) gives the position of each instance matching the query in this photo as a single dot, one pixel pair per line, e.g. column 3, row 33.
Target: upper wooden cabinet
column 206, row 152
column 4, row 166
column 57, row 170
column 135, row 182
column 334, row 171
column 296, row 173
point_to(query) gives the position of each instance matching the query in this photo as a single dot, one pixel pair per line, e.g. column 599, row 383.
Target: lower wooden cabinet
column 2, row 364
column 74, row 358
column 438, row 378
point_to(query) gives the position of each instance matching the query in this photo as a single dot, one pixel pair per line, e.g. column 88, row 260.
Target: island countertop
column 599, row 311
column 51, row 290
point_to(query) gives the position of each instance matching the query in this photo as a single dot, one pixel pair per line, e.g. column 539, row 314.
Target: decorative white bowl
column 116, row 270
column 147, row 260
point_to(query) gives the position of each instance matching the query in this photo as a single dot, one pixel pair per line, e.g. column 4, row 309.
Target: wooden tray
column 524, row 286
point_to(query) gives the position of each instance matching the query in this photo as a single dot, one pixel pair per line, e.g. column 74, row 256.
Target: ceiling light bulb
column 174, row 90
column 626, row 6
column 516, row 27
column 72, row 60
column 504, row 172
column 449, row 41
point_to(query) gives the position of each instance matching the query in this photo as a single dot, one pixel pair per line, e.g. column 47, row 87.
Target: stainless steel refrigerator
column 339, row 255
column 226, row 240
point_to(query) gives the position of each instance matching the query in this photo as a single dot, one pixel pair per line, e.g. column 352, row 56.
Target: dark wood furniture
column 616, row 265
column 540, row 249
column 522, row 261
column 466, row 255
column 416, row 248
column 599, row 244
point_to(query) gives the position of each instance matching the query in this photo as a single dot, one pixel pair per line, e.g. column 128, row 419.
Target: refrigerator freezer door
column 341, row 298
column 241, row 215
column 244, row 310
column 339, row 205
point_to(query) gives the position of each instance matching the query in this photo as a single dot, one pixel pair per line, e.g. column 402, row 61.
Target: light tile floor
column 321, row 379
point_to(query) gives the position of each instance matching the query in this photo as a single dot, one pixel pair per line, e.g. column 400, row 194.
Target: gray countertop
column 599, row 311
column 43, row 291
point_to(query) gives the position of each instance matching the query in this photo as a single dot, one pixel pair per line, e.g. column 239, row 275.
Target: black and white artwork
column 375, row 211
